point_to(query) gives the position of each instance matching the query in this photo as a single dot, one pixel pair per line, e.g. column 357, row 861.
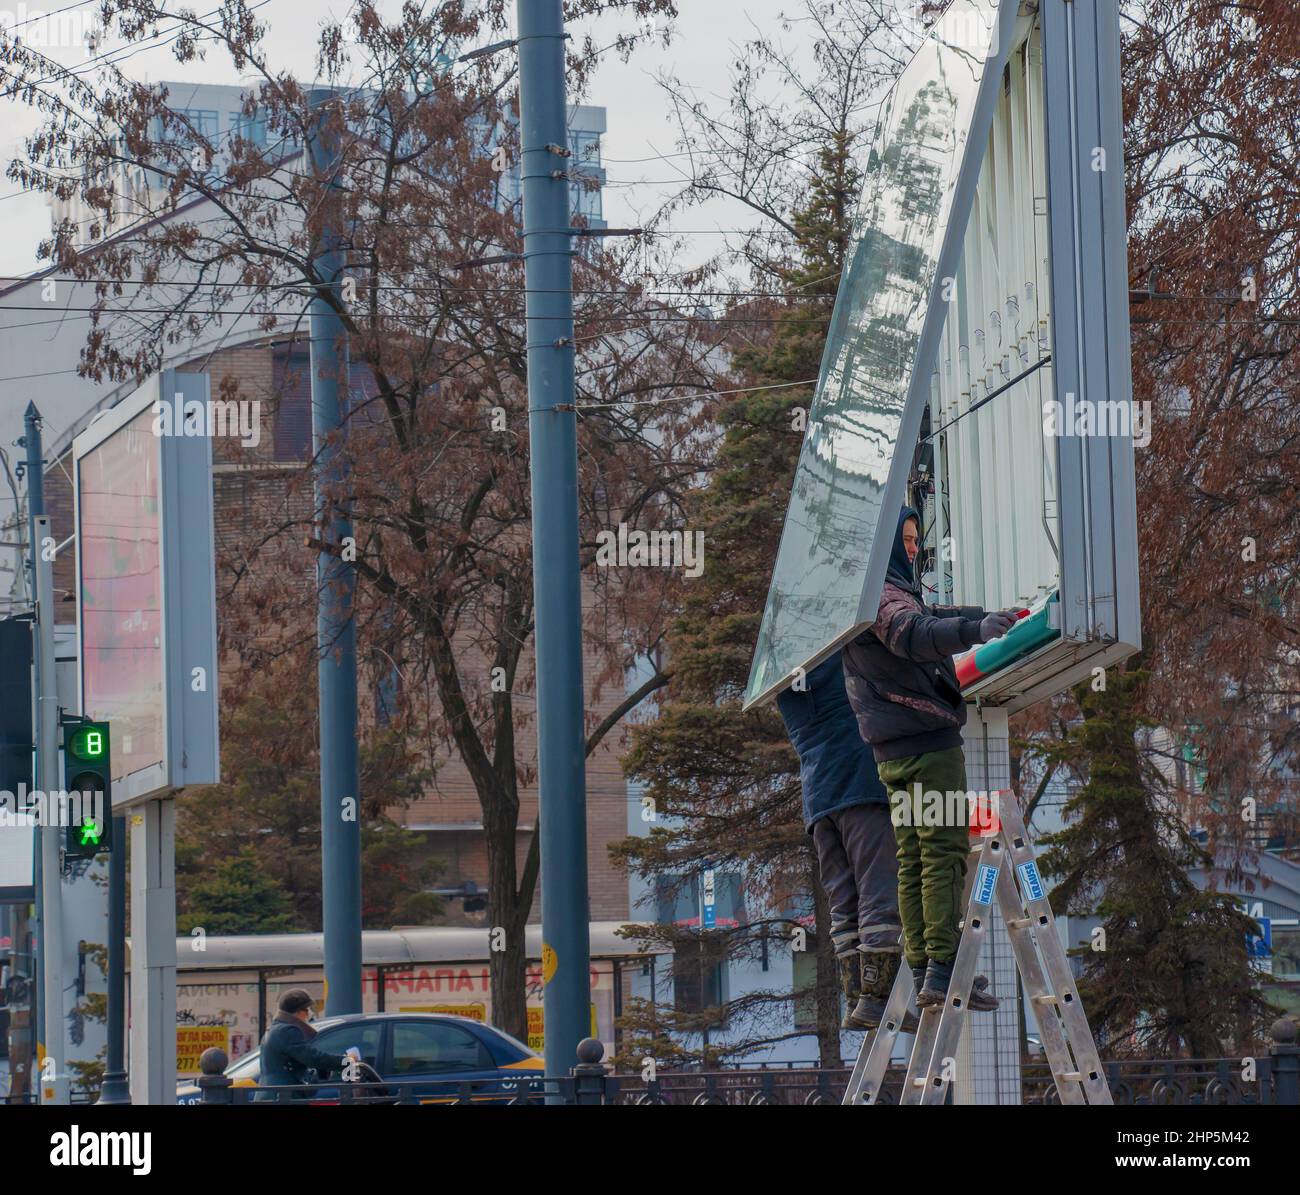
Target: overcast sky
column 701, row 51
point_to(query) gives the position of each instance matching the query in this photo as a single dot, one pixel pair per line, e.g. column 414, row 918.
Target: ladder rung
column 1020, row 922
column 1047, row 998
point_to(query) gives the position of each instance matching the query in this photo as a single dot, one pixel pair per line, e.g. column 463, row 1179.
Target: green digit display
column 88, row 744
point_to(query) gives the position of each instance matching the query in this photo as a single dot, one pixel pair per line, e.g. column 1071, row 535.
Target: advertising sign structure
column 146, row 600
column 977, row 363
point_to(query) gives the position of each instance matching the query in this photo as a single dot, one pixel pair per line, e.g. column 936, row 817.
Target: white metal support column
column 988, row 1062
column 153, row 952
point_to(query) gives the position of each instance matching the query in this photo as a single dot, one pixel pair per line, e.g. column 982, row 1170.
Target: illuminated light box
column 146, row 599
column 983, row 310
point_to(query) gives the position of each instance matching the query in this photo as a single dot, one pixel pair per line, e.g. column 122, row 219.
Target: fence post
column 214, row 1084
column 589, row 1074
column 1286, row 1062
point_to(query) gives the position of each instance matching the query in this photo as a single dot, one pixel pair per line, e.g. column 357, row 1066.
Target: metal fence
column 1273, row 1078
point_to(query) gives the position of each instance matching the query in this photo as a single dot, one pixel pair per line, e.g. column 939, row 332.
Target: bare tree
column 189, row 232
column 1214, row 257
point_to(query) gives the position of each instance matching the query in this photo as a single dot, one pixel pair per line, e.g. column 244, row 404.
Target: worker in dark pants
column 846, row 811
column 904, row 690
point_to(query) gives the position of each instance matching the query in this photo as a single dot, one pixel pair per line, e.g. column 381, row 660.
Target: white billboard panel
column 146, row 601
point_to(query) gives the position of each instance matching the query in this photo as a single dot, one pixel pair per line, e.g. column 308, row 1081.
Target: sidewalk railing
column 1270, row 1079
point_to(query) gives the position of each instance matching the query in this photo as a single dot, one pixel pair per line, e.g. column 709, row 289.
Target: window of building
column 585, row 200
column 585, row 147
column 804, row 988
column 250, row 128
column 291, row 374
column 206, row 122
column 291, row 395
column 677, row 900
column 387, row 688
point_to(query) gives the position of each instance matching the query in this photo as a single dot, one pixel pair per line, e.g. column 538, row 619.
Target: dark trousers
column 857, row 859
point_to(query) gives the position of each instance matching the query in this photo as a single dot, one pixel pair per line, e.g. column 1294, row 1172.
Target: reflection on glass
column 817, row 590
column 121, row 604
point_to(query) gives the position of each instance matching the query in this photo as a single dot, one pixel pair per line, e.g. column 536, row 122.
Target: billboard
column 146, row 603
column 982, row 308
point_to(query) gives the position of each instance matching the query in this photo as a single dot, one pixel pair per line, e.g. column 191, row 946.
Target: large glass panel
column 825, row 573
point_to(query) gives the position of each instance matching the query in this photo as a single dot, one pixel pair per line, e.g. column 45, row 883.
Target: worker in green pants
column 903, row 687
column 931, row 852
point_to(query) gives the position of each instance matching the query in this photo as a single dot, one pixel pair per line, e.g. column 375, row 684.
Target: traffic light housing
column 87, row 769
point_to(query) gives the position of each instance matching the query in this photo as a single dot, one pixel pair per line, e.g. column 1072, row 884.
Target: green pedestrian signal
column 90, row 834
column 87, row 780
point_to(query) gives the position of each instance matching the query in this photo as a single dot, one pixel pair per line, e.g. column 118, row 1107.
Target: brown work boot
column 879, row 970
column 850, row 985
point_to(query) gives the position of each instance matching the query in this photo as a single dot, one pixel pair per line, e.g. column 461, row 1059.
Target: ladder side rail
column 918, row 1064
column 933, row 1087
column 1041, row 997
column 867, row 1080
column 1034, row 895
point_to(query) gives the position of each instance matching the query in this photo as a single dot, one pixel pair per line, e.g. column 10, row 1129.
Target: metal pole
column 116, row 1089
column 153, row 951
column 54, row 1078
column 340, row 778
column 552, row 429
column 35, row 475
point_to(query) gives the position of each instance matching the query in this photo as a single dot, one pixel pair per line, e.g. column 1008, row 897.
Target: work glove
column 995, row 625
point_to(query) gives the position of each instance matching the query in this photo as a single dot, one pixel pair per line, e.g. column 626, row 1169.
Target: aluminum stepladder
column 1040, row 959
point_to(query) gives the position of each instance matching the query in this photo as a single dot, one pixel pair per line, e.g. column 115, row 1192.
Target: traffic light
column 86, row 770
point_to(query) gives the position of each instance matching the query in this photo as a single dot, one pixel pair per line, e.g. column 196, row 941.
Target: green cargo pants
column 930, row 827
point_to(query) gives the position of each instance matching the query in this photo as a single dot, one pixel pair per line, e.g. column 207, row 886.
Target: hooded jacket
column 899, row 672
column 835, row 766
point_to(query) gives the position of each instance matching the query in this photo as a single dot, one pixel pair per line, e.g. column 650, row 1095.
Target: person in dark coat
column 845, row 809
column 903, row 687
column 288, row 1057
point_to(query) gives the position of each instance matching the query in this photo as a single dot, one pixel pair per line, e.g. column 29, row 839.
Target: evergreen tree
column 237, row 897
column 1171, row 976
column 727, row 782
column 248, row 851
